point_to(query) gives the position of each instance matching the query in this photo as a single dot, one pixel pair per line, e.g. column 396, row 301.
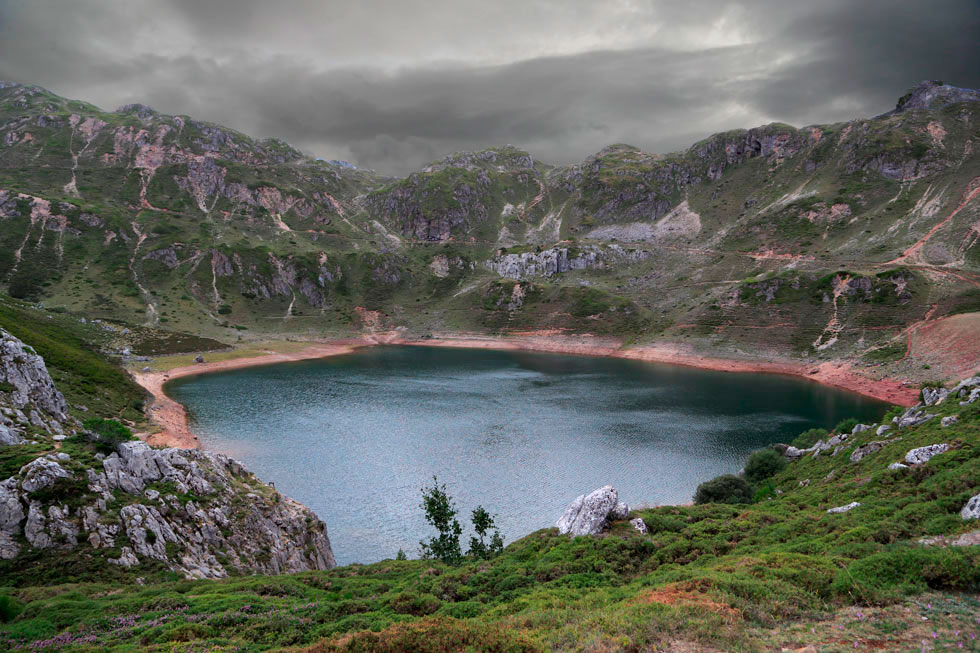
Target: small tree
column 479, row 547
column 764, row 464
column 845, row 426
column 440, row 512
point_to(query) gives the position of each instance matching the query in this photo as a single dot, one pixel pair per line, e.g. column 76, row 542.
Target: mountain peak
column 934, row 94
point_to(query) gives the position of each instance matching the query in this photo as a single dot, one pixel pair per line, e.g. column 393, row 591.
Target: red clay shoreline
column 171, row 417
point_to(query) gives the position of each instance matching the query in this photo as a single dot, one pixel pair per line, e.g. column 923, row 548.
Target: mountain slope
column 830, row 242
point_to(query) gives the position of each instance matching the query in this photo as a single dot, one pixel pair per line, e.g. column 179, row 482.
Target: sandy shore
column 171, row 417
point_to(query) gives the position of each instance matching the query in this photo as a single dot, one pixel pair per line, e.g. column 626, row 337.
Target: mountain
column 853, row 241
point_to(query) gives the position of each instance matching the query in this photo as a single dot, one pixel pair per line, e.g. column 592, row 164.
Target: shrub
column 807, row 439
column 846, row 426
column 764, row 464
column 110, row 432
column 727, row 488
column 10, row 607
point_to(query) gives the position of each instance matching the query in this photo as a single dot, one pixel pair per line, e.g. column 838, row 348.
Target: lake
column 355, row 437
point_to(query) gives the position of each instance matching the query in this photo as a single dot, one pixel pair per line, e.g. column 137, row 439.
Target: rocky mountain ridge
column 171, row 222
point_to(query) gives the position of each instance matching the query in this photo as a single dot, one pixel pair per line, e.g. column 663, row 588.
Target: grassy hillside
column 777, row 572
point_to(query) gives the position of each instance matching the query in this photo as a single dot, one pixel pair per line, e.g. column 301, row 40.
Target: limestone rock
column 870, row 448
column 972, row 508
column 41, row 473
column 884, row 428
column 839, row 509
column 913, row 417
column 859, row 428
column 934, row 396
column 587, row 515
column 898, row 466
column 33, row 399
column 949, row 420
column 923, row 454
column 620, row 512
column 639, row 525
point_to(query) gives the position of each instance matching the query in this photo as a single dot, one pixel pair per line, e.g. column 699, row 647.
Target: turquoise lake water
column 355, row 437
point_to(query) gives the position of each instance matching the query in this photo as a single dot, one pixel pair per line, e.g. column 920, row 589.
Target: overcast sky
column 392, row 85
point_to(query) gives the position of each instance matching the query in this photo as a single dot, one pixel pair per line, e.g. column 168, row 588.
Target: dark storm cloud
column 395, row 85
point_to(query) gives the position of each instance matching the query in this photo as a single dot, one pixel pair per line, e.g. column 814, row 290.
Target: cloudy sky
column 391, row 85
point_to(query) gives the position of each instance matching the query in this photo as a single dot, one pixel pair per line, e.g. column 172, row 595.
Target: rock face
column 28, row 397
column 587, row 515
column 934, row 396
column 200, row 513
column 923, row 454
column 556, row 260
column 913, row 417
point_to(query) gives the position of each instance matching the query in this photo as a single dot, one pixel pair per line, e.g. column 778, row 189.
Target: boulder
column 587, row 514
column 620, row 512
column 199, row 359
column 639, row 525
column 839, row 509
column 41, row 473
column 934, row 396
column 923, row 454
column 949, row 420
column 884, row 428
column 913, row 417
column 859, row 427
column 870, row 448
column 898, row 466
column 972, row 508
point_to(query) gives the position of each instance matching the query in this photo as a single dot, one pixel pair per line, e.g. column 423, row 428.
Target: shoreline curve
column 175, row 431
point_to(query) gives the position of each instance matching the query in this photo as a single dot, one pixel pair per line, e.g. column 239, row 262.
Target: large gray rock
column 934, row 396
column 639, row 525
column 839, row 509
column 913, row 417
column 33, row 399
column 923, row 454
column 972, row 508
column 870, row 448
column 41, row 473
column 587, row 515
column 619, row 512
column 949, row 420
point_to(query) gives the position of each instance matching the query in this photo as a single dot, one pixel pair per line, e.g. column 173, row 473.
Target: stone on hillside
column 898, row 466
column 199, row 359
column 870, row 448
column 793, row 453
column 8, row 436
column 923, row 454
column 620, row 512
column 973, row 395
column 964, row 387
column 41, row 473
column 839, row 509
column 949, row 420
column 859, row 427
column 639, row 525
column 884, row 428
column 587, row 515
column 934, row 396
column 913, row 417
column 972, row 508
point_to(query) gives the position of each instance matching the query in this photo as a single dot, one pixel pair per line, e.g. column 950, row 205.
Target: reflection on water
column 355, row 437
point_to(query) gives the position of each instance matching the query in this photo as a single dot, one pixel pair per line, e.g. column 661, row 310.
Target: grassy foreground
column 779, row 572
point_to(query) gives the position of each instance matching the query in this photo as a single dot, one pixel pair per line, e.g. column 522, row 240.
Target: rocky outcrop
column 28, row 397
column 870, row 448
column 923, row 454
column 556, row 260
column 913, row 417
column 588, row 514
column 839, row 509
column 934, row 95
column 200, row 513
column 934, row 396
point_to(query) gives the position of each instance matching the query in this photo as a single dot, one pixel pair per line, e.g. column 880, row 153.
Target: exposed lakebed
column 355, row 437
